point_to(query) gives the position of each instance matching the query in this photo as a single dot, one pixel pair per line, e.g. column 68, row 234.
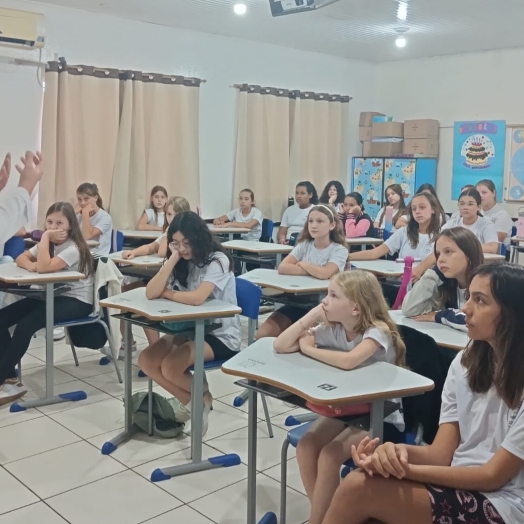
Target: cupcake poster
column 478, row 152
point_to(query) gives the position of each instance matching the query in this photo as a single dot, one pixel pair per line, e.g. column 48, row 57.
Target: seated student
column 416, row 239
column 152, row 218
column 350, row 328
column 197, row 268
column 295, row 216
column 490, row 209
column 441, row 292
column 247, row 215
column 333, row 194
column 473, row 472
column 456, row 214
column 61, row 247
column 95, row 223
column 320, row 252
column 395, row 199
column 428, row 188
column 356, row 222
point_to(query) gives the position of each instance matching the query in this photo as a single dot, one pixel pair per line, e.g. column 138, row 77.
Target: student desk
column 90, row 243
column 381, row 267
column 230, row 231
column 139, row 267
column 295, row 284
column 443, row 335
column 259, row 248
column 135, row 304
column 490, row 257
column 319, row 384
column 141, row 235
column 12, row 274
column 363, row 242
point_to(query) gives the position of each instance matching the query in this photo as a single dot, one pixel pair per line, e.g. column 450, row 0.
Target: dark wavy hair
column 324, row 197
column 203, row 246
column 310, row 188
column 85, row 263
column 503, row 366
column 434, row 224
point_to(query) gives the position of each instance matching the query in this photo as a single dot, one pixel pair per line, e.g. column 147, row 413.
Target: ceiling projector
column 290, row 7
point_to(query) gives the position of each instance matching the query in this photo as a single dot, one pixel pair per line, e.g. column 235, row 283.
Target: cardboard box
column 425, row 147
column 421, row 128
column 364, row 134
column 366, row 118
column 378, row 149
column 387, row 130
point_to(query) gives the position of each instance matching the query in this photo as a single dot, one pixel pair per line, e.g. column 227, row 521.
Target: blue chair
column 117, row 241
column 14, row 247
column 267, row 230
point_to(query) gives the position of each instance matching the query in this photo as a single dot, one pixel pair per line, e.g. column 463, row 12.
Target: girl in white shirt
column 197, row 268
column 490, row 209
column 61, row 247
column 247, row 215
column 474, row 469
column 152, row 218
column 395, row 199
column 350, row 328
column 321, row 252
column 295, row 216
column 95, row 223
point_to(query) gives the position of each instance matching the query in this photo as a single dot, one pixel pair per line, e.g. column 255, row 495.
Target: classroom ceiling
column 358, row 29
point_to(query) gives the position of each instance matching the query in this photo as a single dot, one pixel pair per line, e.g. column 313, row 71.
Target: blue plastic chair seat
column 76, row 321
column 295, row 434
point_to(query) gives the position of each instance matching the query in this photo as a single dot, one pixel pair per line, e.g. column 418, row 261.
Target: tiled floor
column 52, row 471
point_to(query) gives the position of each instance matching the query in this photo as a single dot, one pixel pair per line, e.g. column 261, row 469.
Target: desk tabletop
column 250, row 246
column 145, row 235
column 443, row 335
column 227, row 230
column 286, row 283
column 388, row 268
column 320, row 383
column 493, row 256
column 360, row 241
column 90, row 243
column 12, row 274
column 135, row 301
column 144, row 261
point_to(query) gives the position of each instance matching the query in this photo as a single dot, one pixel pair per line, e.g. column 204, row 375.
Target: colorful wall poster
column 478, row 152
column 514, row 178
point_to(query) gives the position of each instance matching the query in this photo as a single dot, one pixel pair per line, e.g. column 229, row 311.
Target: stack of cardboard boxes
column 421, row 138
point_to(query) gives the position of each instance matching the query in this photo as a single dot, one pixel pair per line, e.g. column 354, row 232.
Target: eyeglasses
column 175, row 246
column 467, row 204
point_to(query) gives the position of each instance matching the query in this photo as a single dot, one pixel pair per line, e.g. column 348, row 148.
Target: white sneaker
column 182, row 414
column 208, row 407
column 11, row 392
column 106, row 350
column 58, row 333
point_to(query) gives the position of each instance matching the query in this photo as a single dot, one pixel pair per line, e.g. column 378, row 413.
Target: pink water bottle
column 520, row 223
column 406, row 279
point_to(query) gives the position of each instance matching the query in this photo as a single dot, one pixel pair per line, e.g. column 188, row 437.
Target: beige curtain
column 262, row 147
column 157, row 143
column 79, row 131
column 319, row 142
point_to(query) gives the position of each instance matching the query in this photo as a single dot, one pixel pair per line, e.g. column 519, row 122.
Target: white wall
column 94, row 39
column 475, row 86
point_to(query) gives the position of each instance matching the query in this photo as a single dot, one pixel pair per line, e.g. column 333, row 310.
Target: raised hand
column 5, row 171
column 31, row 170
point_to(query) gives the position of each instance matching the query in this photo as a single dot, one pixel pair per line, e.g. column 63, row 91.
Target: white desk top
column 12, row 274
column 90, row 243
column 135, row 301
column 227, row 230
column 305, row 377
column 493, row 256
column 286, row 283
column 145, row 235
column 388, row 268
column 144, row 261
column 257, row 247
column 359, row 241
column 443, row 335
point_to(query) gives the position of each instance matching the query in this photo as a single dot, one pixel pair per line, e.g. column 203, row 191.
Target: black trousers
column 29, row 317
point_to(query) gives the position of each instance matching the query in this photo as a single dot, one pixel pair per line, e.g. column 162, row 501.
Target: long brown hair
column 396, row 188
column 362, row 288
column 156, row 189
column 434, row 224
column 503, row 366
column 469, row 244
column 179, row 205
column 335, row 235
column 428, row 188
column 90, row 190
column 85, row 263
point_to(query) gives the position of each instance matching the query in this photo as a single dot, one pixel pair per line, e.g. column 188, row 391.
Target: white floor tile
column 29, row 361
column 229, row 505
column 293, row 475
column 63, row 469
column 7, row 418
column 35, row 513
column 108, row 382
column 32, row 437
column 224, row 419
column 142, row 448
column 14, row 494
column 185, row 515
column 268, row 449
column 61, row 352
column 195, row 485
column 221, row 384
column 34, row 378
column 89, row 367
column 93, row 419
column 126, row 498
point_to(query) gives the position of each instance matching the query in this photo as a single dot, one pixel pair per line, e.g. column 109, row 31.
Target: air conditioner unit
column 290, row 7
column 21, row 29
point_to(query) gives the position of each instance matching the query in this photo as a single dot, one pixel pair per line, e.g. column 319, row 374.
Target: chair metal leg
column 72, row 347
column 114, row 352
column 150, row 407
column 20, row 371
column 266, row 413
column 283, row 481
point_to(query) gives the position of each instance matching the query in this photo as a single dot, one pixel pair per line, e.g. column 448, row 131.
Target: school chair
column 293, row 239
column 252, row 262
column 267, row 230
column 516, row 248
column 14, row 247
column 117, row 241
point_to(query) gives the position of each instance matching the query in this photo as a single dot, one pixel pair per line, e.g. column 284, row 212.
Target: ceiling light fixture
column 240, row 8
column 402, row 10
column 401, row 40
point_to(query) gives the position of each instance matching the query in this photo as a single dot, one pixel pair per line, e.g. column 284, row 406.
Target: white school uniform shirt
column 82, row 290
column 334, row 337
column 161, row 237
column 219, row 274
column 150, row 214
column 483, row 228
column 503, row 223
column 15, row 213
column 255, row 214
column 294, row 219
column 307, row 252
column 399, row 243
column 101, row 220
column 486, row 424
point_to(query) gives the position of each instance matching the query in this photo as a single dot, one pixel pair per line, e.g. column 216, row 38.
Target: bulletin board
column 514, row 165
